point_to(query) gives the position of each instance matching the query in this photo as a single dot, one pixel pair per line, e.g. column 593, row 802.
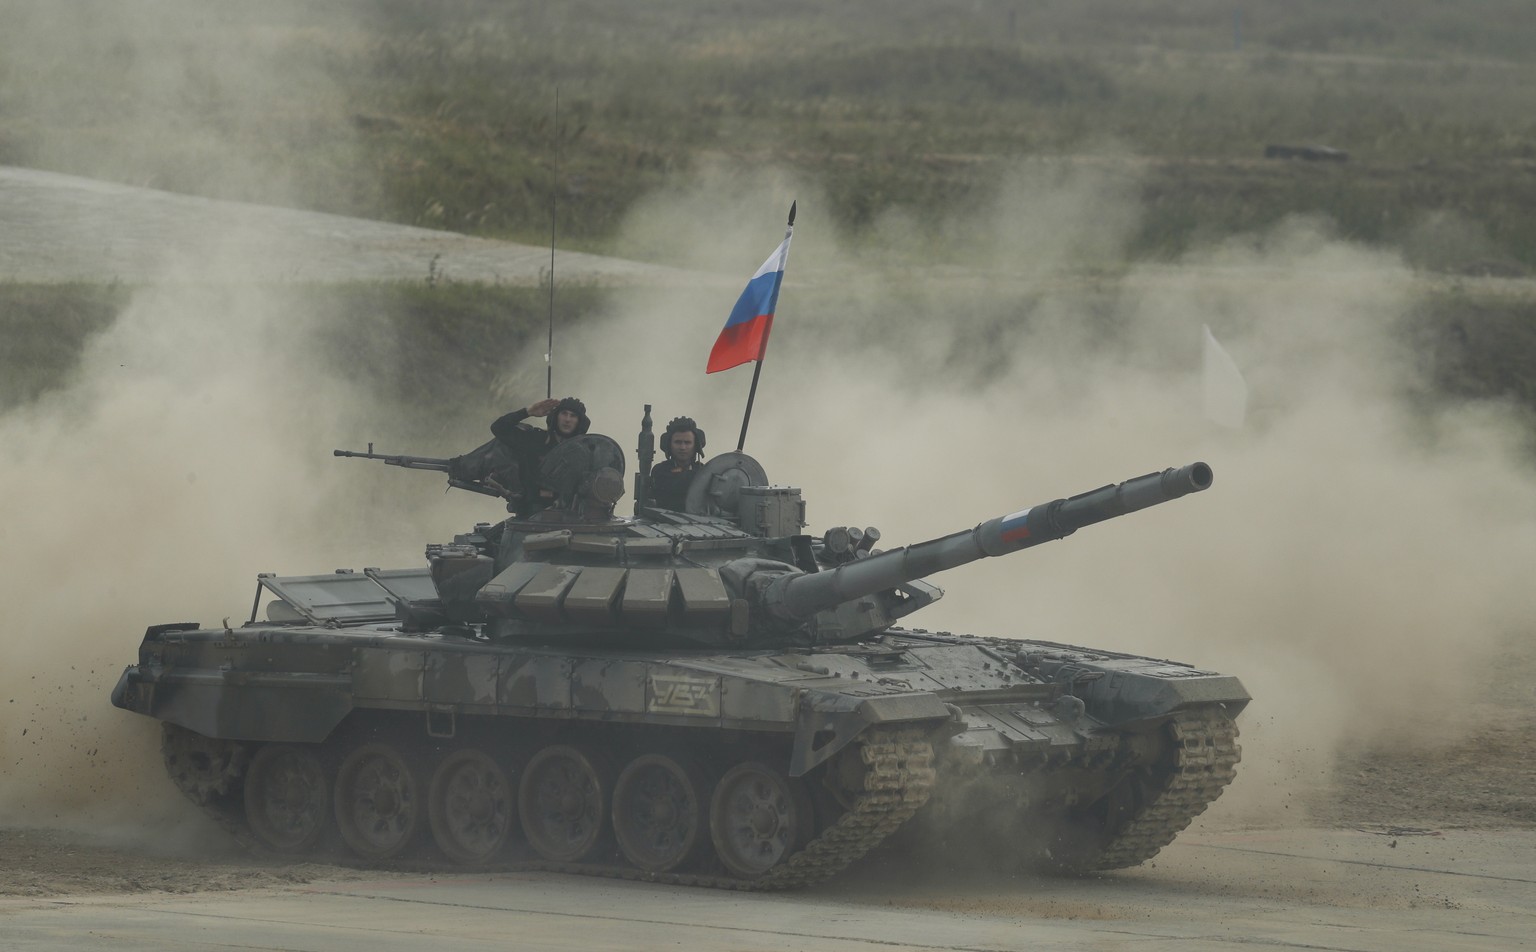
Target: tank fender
column 289, row 709
column 1122, row 691
column 828, row 722
column 127, row 695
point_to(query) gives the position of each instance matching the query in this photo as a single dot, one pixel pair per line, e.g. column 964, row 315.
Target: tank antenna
column 554, row 199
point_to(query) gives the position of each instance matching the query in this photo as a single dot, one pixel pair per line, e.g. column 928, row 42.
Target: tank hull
column 752, row 768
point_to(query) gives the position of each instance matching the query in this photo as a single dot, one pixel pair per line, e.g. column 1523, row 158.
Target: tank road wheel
column 471, row 807
column 377, row 806
column 757, row 818
column 659, row 812
column 287, row 798
column 562, row 802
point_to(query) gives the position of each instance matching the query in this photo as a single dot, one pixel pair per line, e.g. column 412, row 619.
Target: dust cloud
column 1362, row 553
column 1358, row 558
column 189, row 452
column 190, row 447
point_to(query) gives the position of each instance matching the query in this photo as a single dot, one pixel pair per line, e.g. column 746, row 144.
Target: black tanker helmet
column 576, row 407
column 683, row 424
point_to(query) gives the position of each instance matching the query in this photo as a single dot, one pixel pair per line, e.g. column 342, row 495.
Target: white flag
column 1226, row 393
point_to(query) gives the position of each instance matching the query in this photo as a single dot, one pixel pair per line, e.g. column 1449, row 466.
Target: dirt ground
column 1486, row 780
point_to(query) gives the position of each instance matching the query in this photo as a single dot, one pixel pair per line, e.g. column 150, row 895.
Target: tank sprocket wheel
column 471, row 806
column 660, row 812
column 202, row 768
column 288, row 798
column 562, row 802
column 758, row 817
column 378, row 806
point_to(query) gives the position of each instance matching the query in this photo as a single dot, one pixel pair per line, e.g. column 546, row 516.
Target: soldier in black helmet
column 683, row 442
column 564, row 419
column 513, row 458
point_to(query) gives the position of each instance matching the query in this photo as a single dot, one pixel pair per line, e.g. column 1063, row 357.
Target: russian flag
column 745, row 335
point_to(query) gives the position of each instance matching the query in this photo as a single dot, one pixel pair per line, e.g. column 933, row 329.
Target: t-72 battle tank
column 707, row 697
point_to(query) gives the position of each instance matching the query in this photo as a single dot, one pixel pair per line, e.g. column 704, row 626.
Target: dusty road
column 65, row 228
column 1296, row 889
column 62, row 228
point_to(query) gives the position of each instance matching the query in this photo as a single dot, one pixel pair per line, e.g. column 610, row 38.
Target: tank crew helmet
column 575, row 406
column 683, row 424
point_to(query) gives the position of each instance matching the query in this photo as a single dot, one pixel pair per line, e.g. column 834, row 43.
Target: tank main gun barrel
column 801, row 596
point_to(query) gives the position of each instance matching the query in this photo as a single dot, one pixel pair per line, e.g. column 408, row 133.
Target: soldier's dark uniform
column 670, row 482
column 670, row 479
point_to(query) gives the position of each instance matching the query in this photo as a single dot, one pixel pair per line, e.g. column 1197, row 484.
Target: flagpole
column 758, row 369
column 751, row 395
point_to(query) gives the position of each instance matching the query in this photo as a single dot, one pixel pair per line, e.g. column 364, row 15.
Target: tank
column 711, row 697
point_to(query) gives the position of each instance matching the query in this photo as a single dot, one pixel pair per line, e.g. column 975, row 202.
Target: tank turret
column 732, row 571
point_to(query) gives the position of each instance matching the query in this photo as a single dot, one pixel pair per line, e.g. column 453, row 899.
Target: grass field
column 443, row 114
column 899, row 116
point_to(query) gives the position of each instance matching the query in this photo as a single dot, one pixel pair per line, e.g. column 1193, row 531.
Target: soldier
column 513, row 458
column 683, row 442
column 564, row 418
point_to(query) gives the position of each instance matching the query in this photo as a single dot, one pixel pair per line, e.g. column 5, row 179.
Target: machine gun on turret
column 486, row 486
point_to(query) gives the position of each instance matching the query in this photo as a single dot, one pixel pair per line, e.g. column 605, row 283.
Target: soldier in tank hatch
column 564, row 419
column 523, row 446
column 683, row 442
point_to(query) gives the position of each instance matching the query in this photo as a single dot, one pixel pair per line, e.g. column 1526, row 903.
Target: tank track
column 1206, row 754
column 897, row 780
